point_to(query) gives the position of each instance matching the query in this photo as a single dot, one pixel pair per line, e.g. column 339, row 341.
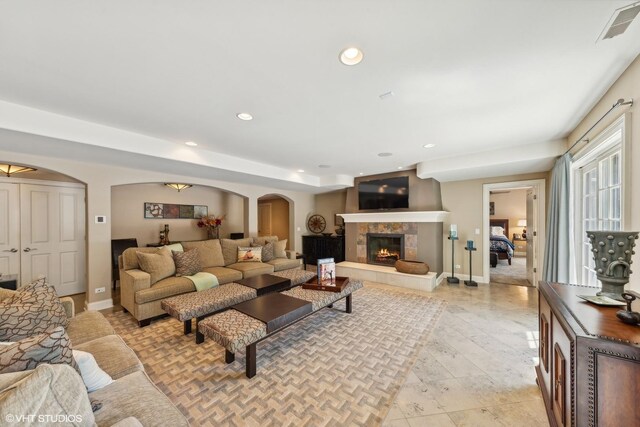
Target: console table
column 589, row 370
column 318, row 246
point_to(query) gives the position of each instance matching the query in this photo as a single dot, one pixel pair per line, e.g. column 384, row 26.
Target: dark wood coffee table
column 275, row 310
column 266, row 283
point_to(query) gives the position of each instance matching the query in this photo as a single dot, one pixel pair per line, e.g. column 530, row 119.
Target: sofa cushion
column 280, row 264
column 263, row 240
column 113, row 355
column 52, row 347
column 130, row 257
column 187, row 263
column 250, row 269
column 34, row 309
column 210, row 252
column 165, row 288
column 87, row 326
column 159, row 265
column 230, row 249
column 54, row 390
column 252, row 254
column 279, row 249
column 267, row 251
column 135, row 396
column 224, row 274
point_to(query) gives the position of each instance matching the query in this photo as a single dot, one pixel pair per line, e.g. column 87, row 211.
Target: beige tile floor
column 477, row 368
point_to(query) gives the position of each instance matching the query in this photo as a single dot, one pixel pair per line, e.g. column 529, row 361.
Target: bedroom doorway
column 514, row 229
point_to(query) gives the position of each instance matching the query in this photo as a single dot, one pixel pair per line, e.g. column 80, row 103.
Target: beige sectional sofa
column 142, row 298
column 130, row 400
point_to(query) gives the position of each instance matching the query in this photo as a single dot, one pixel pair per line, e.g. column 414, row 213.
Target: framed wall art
column 153, row 210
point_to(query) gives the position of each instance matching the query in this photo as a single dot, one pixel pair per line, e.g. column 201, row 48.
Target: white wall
column 511, row 206
column 100, row 178
column 127, row 216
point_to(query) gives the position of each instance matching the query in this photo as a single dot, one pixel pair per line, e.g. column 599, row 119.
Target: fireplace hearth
column 384, row 248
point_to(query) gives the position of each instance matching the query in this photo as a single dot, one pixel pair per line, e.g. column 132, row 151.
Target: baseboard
column 440, row 279
column 98, row 305
column 463, row 277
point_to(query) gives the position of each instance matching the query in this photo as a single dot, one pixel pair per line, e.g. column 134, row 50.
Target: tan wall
column 463, row 199
column 511, row 206
column 279, row 218
column 127, row 216
column 330, row 204
column 627, row 86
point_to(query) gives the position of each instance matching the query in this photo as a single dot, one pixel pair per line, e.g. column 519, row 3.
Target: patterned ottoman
column 297, row 277
column 321, row 299
column 197, row 305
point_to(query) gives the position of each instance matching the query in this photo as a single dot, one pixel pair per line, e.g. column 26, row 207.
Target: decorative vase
column 213, row 233
column 612, row 252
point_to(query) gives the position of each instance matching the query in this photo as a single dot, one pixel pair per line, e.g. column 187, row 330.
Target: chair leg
column 251, row 360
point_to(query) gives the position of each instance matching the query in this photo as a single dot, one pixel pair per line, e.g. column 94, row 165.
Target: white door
column 52, row 236
column 10, row 229
column 532, row 236
column 264, row 219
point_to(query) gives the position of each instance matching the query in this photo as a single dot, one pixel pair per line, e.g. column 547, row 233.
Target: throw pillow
column 52, row 348
column 250, row 254
column 49, row 389
column 230, row 249
column 187, row 263
column 279, row 249
column 159, row 265
column 177, row 247
column 210, row 252
column 263, row 240
column 93, row 377
column 34, row 309
column 267, row 251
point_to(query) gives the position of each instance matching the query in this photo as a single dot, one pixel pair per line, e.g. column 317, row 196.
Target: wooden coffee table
column 275, row 310
column 266, row 283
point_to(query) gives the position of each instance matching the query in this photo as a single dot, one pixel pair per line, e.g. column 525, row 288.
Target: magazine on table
column 326, row 272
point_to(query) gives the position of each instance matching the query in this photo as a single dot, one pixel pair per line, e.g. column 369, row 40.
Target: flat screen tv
column 383, row 194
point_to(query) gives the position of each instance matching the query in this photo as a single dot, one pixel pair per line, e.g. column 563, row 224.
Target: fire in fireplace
column 384, row 249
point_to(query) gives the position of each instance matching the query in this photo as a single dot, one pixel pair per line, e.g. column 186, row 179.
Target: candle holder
column 471, row 250
column 453, row 278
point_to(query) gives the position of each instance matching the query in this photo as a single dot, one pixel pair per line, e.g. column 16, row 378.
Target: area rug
column 514, row 274
column 329, row 369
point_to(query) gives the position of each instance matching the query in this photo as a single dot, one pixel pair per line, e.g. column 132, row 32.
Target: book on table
column 326, row 272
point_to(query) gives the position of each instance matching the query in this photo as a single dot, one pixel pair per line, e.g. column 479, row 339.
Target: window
column 598, row 181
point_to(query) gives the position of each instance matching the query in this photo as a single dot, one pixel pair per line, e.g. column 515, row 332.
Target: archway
column 276, row 216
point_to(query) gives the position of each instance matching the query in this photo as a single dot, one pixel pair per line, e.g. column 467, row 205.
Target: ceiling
column 469, row 76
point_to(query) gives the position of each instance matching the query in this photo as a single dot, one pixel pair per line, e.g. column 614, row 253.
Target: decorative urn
column 612, row 252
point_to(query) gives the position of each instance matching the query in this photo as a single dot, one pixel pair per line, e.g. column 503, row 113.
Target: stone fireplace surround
column 408, row 229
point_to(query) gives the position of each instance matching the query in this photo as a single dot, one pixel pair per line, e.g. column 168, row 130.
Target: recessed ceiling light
column 428, row 145
column 399, row 167
column 351, row 56
column 191, row 144
column 301, row 170
column 244, row 116
column 324, row 166
column 385, row 154
column 361, row 173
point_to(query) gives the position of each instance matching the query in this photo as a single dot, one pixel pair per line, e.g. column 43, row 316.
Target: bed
column 500, row 243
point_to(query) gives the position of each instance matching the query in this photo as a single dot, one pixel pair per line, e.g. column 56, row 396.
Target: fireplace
column 384, row 248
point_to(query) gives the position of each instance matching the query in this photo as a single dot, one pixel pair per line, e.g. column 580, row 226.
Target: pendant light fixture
column 9, row 169
column 177, row 186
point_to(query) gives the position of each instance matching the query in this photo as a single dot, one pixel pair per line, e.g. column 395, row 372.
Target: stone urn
column 612, row 252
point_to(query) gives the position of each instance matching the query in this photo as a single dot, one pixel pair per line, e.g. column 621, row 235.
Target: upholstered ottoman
column 197, row 305
column 297, row 277
column 321, row 299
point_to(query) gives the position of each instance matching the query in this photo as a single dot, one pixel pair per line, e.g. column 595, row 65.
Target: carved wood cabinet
column 589, row 368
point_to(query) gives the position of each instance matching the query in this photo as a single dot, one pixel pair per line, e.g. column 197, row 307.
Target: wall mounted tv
column 383, row 194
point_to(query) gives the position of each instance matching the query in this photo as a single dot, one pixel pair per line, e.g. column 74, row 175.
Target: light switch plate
column 101, row 219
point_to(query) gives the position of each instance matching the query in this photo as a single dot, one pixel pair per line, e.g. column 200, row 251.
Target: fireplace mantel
column 416, row 216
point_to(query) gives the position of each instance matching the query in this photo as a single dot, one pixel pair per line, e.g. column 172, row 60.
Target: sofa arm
column 69, row 306
column 291, row 254
column 135, row 280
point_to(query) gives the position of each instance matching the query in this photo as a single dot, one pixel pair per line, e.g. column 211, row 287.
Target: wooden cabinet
column 315, row 247
column 589, row 368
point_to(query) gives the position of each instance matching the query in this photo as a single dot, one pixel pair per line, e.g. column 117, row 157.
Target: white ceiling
column 470, row 76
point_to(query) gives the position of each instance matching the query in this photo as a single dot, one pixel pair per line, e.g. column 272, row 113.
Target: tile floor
column 478, row 367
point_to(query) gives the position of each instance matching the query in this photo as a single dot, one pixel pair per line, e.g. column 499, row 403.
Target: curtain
column 558, row 240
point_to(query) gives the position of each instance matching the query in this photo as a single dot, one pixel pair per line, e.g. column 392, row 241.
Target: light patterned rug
column 329, row 369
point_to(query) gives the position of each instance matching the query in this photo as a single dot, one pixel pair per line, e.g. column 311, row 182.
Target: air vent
column 620, row 21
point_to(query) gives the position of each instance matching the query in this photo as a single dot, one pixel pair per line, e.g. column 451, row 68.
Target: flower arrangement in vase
column 212, row 223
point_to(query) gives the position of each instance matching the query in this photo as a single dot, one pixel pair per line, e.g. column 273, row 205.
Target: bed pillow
column 187, row 263
column 250, row 254
column 159, row 265
column 34, row 309
column 497, row 231
column 52, row 348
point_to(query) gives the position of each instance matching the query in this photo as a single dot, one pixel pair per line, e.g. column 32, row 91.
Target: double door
column 42, row 233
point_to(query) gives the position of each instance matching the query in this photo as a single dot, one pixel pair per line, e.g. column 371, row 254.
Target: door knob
column 14, row 250
column 29, row 249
